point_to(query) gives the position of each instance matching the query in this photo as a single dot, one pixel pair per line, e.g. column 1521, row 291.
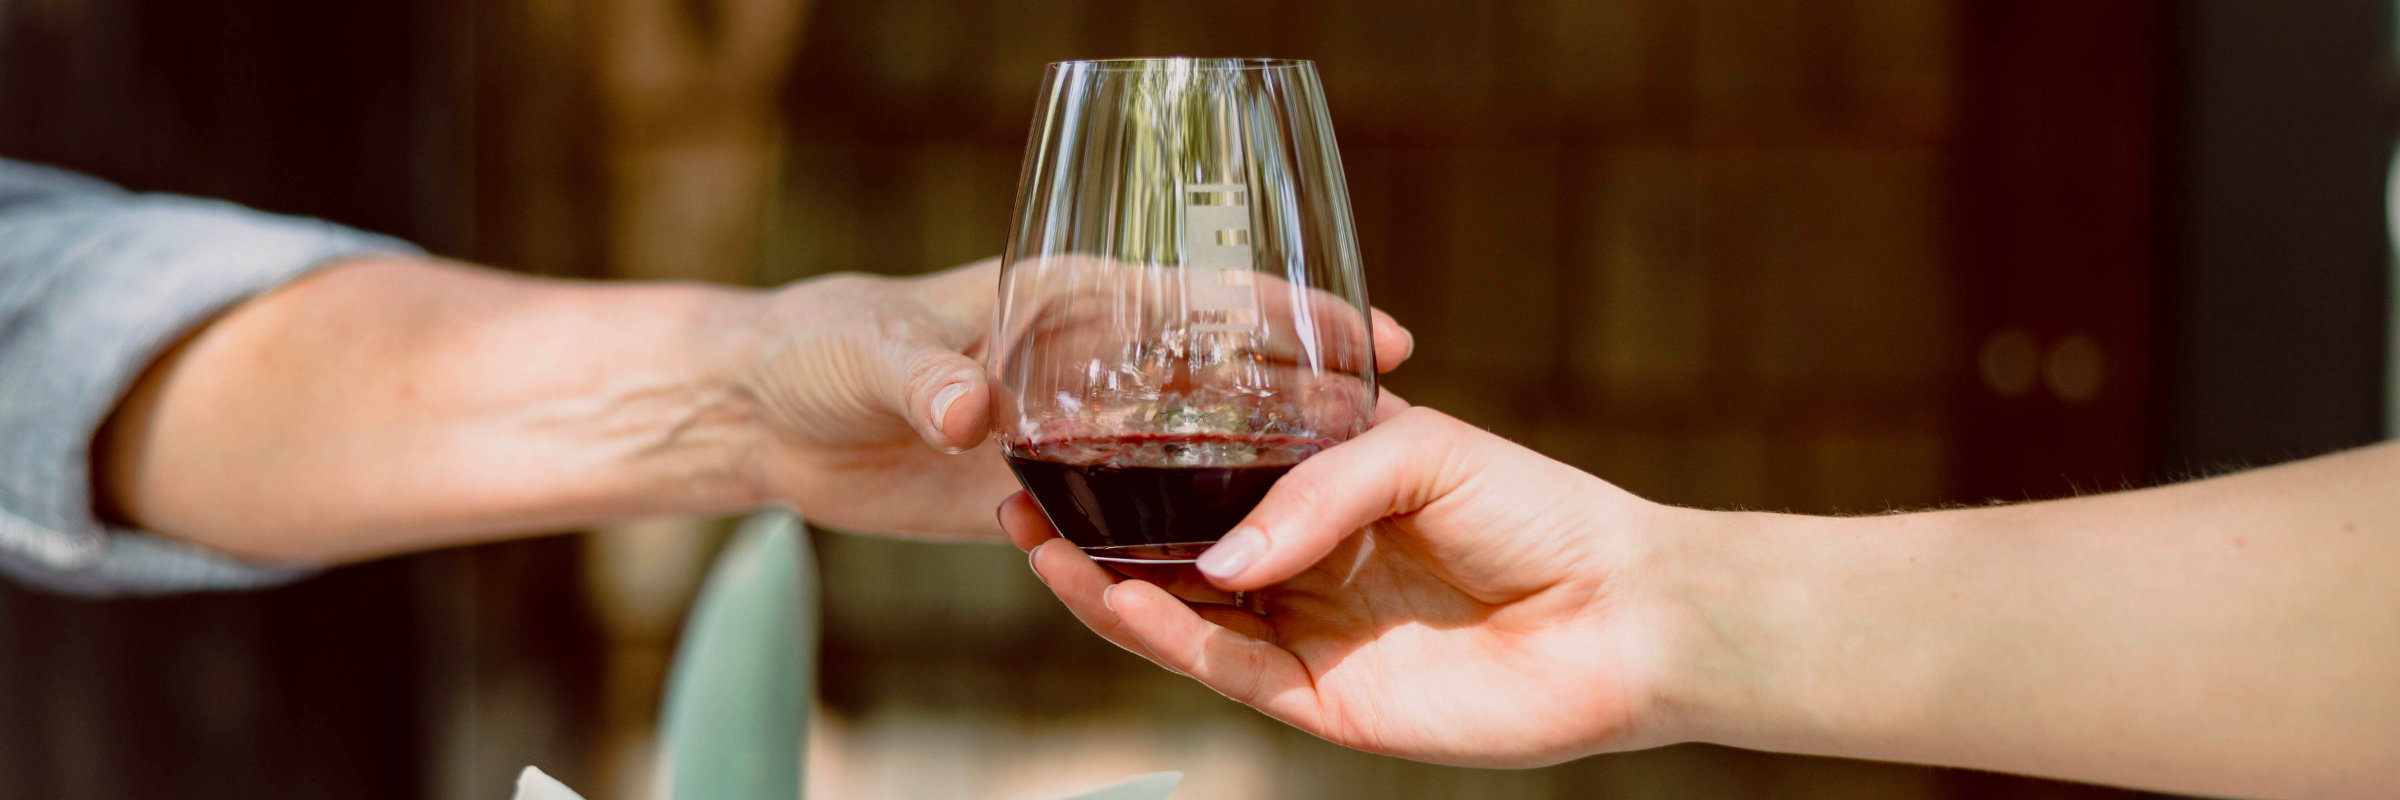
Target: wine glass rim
column 1192, row 62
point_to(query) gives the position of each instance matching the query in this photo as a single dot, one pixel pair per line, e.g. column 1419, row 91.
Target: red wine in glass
column 1158, row 497
column 1182, row 317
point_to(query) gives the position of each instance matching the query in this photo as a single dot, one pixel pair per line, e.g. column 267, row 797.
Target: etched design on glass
column 1217, row 262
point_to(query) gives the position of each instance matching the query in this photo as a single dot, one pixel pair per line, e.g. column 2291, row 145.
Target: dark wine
column 1154, row 498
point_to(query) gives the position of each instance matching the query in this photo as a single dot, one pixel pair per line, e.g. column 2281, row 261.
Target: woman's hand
column 1427, row 590
column 2223, row 637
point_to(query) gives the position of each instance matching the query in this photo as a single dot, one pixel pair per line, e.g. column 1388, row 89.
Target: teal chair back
column 738, row 698
column 737, row 705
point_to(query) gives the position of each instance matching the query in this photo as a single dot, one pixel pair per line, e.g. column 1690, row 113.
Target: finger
column 1394, row 468
column 1025, row 523
column 1081, row 584
column 1179, row 580
column 1316, row 328
column 942, row 393
column 1237, row 619
column 1246, row 668
column 1393, row 343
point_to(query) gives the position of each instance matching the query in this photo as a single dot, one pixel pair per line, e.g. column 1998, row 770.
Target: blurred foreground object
column 737, row 702
column 534, row 784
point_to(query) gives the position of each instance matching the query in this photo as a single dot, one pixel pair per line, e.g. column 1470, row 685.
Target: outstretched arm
column 396, row 403
column 2233, row 636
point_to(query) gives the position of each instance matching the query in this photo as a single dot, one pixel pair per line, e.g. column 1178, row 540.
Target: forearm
column 2233, row 636
column 392, row 404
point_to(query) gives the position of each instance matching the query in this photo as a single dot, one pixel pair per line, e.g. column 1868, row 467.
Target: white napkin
column 533, row 785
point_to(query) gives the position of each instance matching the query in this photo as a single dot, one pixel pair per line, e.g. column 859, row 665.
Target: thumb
column 942, row 393
column 1397, row 467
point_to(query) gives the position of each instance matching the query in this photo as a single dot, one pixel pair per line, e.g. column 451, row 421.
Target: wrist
column 1691, row 583
column 724, row 330
column 1767, row 645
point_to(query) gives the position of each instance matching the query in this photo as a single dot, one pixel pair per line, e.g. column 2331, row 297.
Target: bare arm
column 2231, row 636
column 1431, row 591
column 394, row 403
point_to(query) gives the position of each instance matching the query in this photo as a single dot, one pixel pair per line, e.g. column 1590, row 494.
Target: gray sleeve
column 94, row 283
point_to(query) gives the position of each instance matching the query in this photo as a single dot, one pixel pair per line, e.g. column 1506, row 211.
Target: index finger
column 1394, row 468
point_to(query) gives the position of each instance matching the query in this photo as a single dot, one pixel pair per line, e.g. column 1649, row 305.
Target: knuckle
column 920, row 365
column 1252, row 687
column 1430, row 451
column 1419, row 426
column 1422, row 419
column 930, row 367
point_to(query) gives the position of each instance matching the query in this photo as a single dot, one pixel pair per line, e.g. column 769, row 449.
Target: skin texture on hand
column 393, row 404
column 388, row 404
column 877, row 407
column 1507, row 637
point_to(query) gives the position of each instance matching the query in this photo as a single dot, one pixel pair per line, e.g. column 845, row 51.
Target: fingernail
column 1107, row 598
column 944, row 399
column 1233, row 553
column 1033, row 560
column 1410, row 340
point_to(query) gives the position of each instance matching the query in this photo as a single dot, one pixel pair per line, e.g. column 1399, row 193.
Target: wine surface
column 1153, row 498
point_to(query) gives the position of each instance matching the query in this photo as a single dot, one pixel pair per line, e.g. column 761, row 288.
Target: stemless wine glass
column 1182, row 317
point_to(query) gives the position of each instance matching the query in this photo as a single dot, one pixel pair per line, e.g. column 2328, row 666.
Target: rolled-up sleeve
column 94, row 283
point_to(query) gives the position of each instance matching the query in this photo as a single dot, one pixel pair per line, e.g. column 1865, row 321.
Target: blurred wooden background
column 1815, row 255
column 1713, row 251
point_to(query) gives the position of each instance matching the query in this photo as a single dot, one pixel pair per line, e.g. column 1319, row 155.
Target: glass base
column 1177, row 553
